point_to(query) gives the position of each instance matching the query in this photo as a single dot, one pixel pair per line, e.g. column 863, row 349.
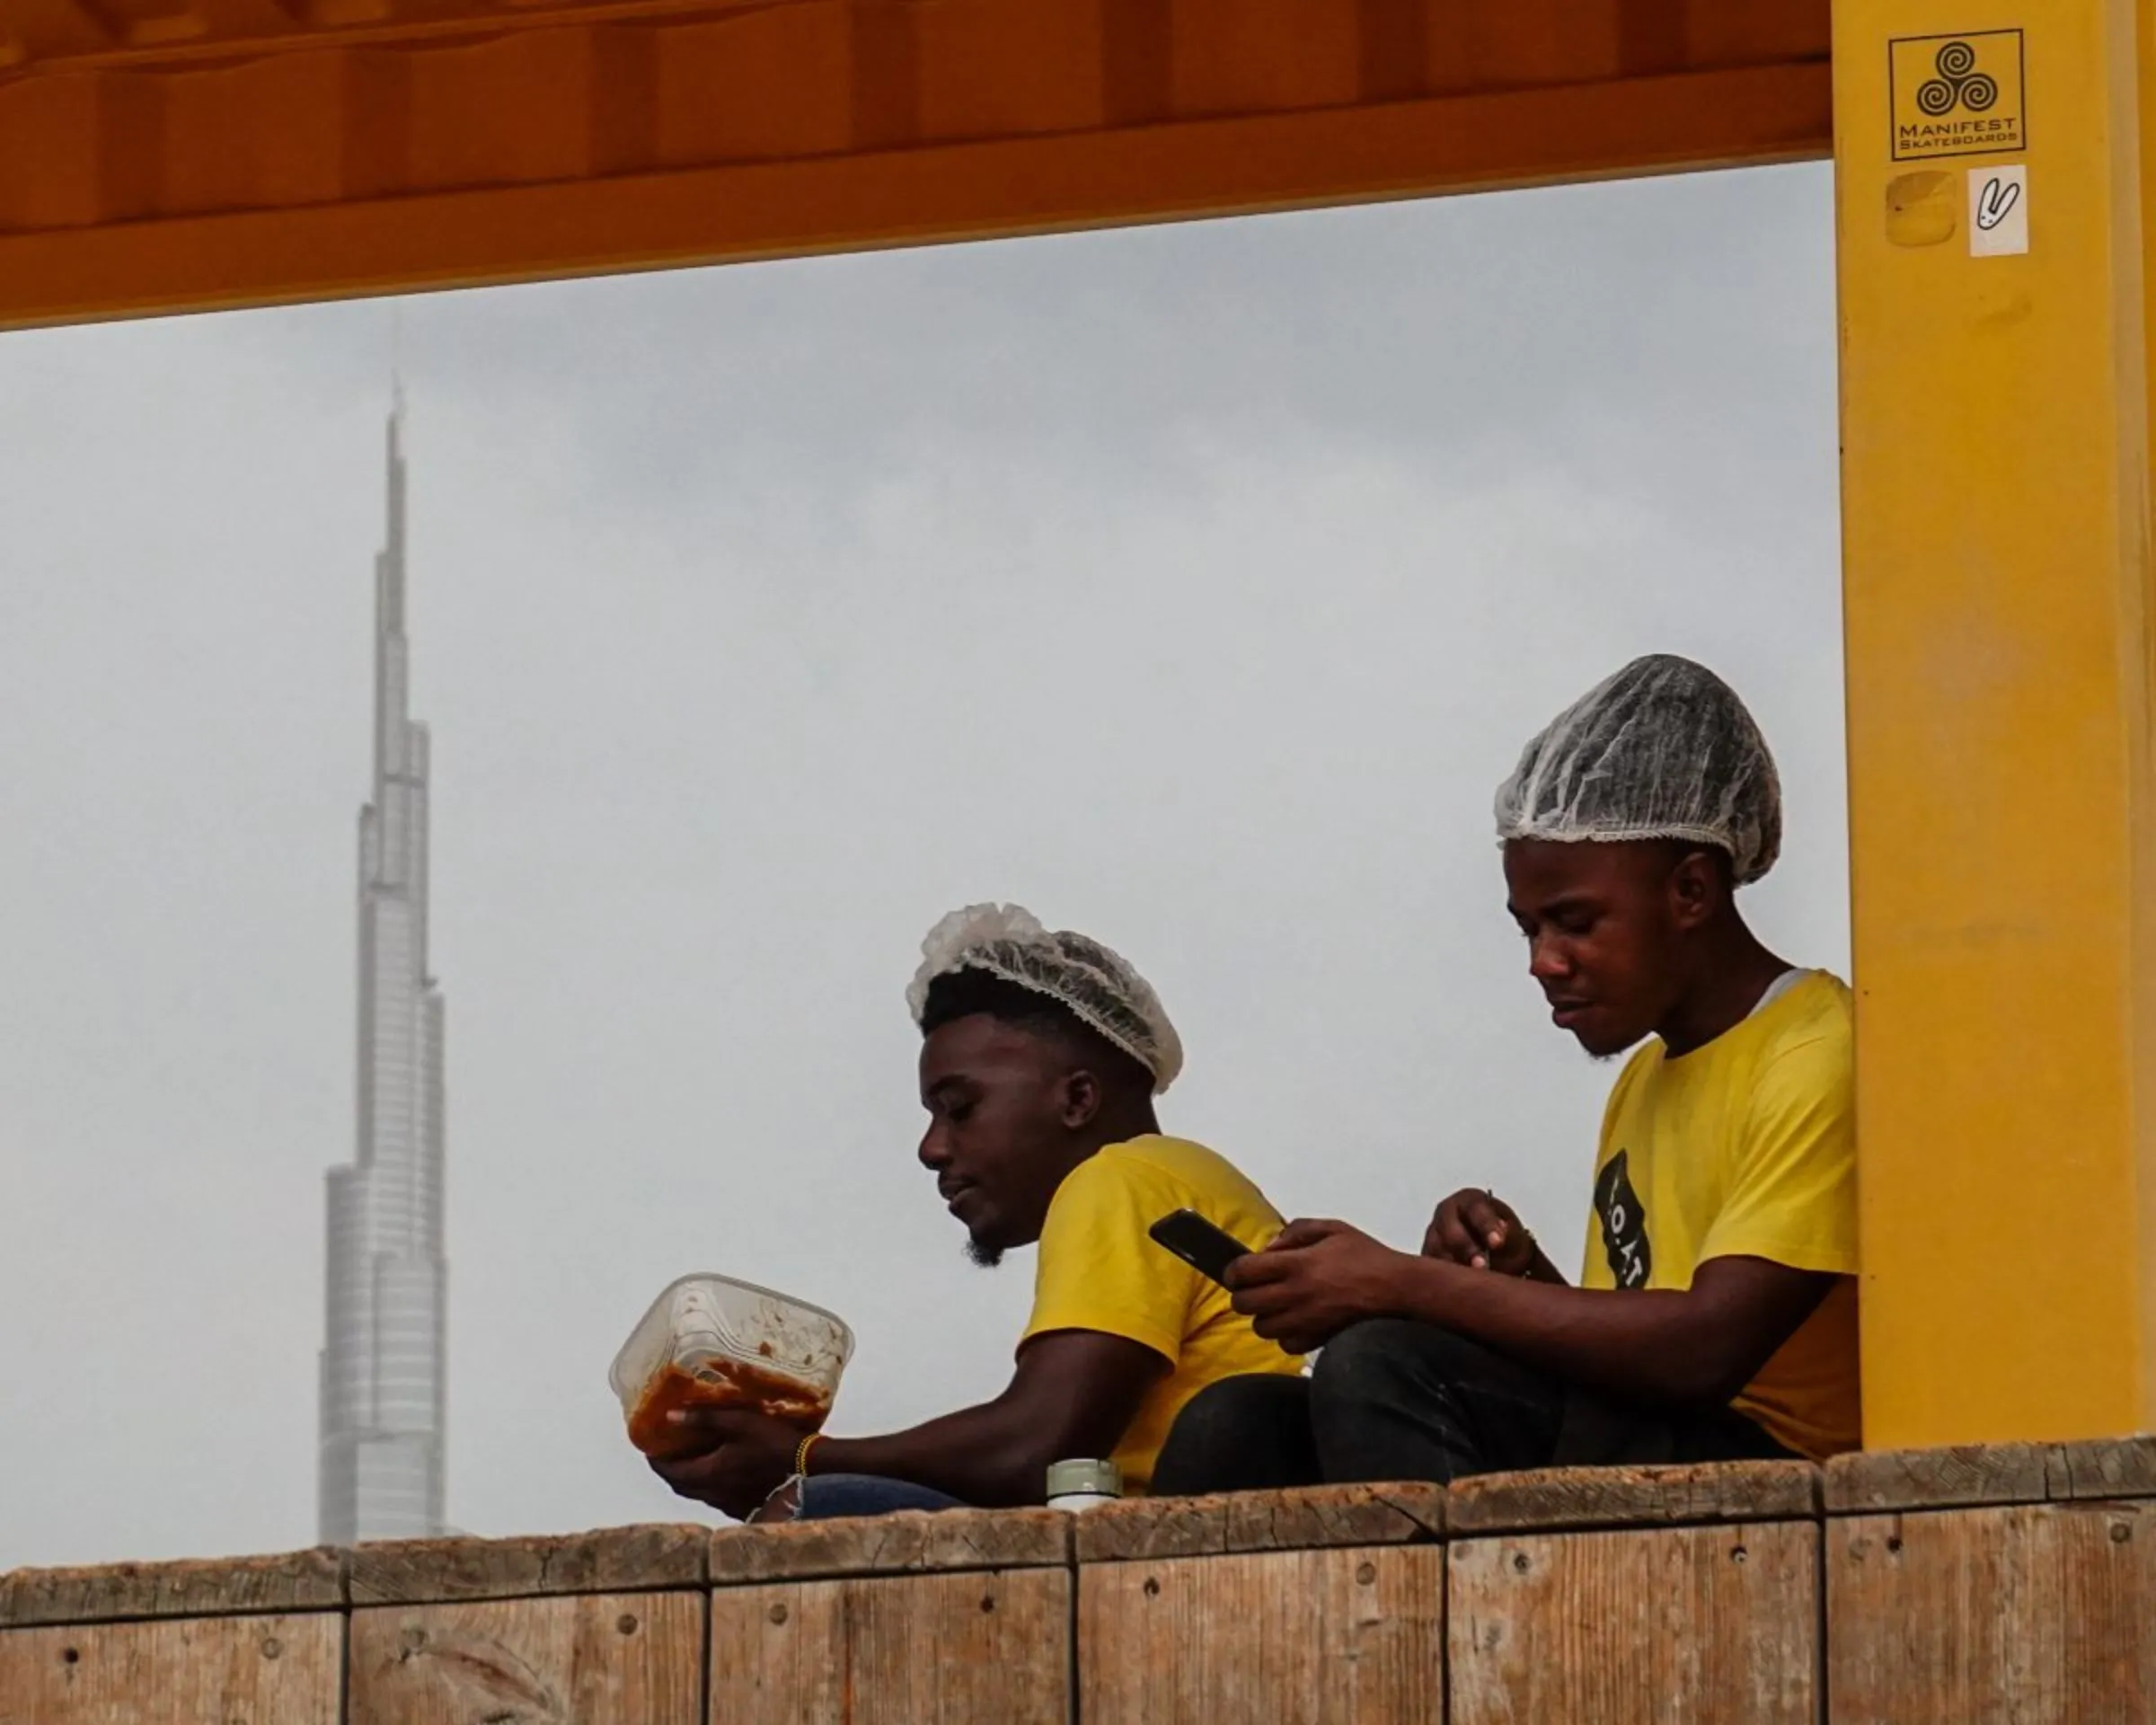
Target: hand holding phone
column 1206, row 1246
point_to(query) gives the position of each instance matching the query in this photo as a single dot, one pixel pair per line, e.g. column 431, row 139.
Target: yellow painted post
column 1995, row 438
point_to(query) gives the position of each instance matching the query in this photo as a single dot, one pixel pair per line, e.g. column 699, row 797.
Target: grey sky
column 1193, row 586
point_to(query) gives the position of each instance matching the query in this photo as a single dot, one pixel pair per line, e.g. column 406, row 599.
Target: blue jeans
column 826, row 1497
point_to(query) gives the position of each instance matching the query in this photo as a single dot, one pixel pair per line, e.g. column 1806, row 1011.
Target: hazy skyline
column 385, row 1362
column 1194, row 586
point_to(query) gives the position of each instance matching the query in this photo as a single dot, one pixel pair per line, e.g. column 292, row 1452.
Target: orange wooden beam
column 180, row 154
column 915, row 196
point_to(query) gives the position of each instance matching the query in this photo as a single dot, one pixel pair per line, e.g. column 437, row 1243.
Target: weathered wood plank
column 1146, row 1528
column 2039, row 1612
column 2111, row 1467
column 174, row 1671
column 1678, row 1626
column 1930, row 1479
column 222, row 1587
column 1633, row 1496
column 1292, row 1638
column 612, row 1560
column 894, row 1649
column 625, row 1659
column 911, row 1543
column 1976, row 1475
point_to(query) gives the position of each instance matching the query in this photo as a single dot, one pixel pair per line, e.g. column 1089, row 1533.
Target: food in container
column 710, row 1341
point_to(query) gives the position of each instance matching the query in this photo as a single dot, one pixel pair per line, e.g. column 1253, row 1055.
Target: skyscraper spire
column 384, row 1359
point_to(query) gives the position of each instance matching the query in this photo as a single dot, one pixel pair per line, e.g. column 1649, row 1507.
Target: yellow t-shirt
column 1746, row 1148
column 1100, row 1270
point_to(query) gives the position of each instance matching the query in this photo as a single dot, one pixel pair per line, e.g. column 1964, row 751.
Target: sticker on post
column 1998, row 211
column 1956, row 95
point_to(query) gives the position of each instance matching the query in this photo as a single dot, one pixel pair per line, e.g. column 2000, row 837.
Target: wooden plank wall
column 958, row 1616
column 1276, row 1605
column 2007, row 1582
column 606, row 1629
column 2014, row 1582
column 146, row 1644
column 1636, row 1595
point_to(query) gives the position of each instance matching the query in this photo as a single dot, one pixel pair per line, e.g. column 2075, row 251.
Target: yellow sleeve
column 1100, row 1270
column 1793, row 1193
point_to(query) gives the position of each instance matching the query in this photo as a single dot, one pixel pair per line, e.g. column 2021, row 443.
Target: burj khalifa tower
column 384, row 1359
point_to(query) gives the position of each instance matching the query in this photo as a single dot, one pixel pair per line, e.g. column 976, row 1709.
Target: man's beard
column 986, row 1257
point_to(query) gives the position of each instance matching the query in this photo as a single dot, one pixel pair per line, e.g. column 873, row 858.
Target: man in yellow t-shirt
column 1041, row 1054
column 1743, row 1148
column 1716, row 1316
column 1099, row 1273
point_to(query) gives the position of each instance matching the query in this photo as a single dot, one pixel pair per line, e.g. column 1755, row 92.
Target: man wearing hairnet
column 1716, row 1314
column 1041, row 1054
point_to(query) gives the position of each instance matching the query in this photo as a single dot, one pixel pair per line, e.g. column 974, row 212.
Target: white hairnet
column 1663, row 749
column 1085, row 979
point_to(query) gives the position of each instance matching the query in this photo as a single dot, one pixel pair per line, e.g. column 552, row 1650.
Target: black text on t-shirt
column 1624, row 1225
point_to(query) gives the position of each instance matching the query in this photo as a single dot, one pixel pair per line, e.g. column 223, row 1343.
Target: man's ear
column 1080, row 1099
column 1698, row 886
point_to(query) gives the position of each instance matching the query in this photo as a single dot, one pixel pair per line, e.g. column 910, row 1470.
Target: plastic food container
column 710, row 1341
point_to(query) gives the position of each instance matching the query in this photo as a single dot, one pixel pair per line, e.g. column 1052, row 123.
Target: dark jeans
column 1394, row 1400
column 826, row 1497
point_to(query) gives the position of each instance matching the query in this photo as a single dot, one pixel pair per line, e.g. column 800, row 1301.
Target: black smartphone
column 1206, row 1247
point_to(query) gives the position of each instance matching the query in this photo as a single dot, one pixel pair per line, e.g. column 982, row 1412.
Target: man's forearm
column 985, row 1456
column 1658, row 1345
column 1074, row 1394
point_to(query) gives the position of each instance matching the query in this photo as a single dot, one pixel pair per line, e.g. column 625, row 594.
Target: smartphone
column 1207, row 1248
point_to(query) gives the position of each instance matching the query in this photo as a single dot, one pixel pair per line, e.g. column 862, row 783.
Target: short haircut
column 964, row 994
